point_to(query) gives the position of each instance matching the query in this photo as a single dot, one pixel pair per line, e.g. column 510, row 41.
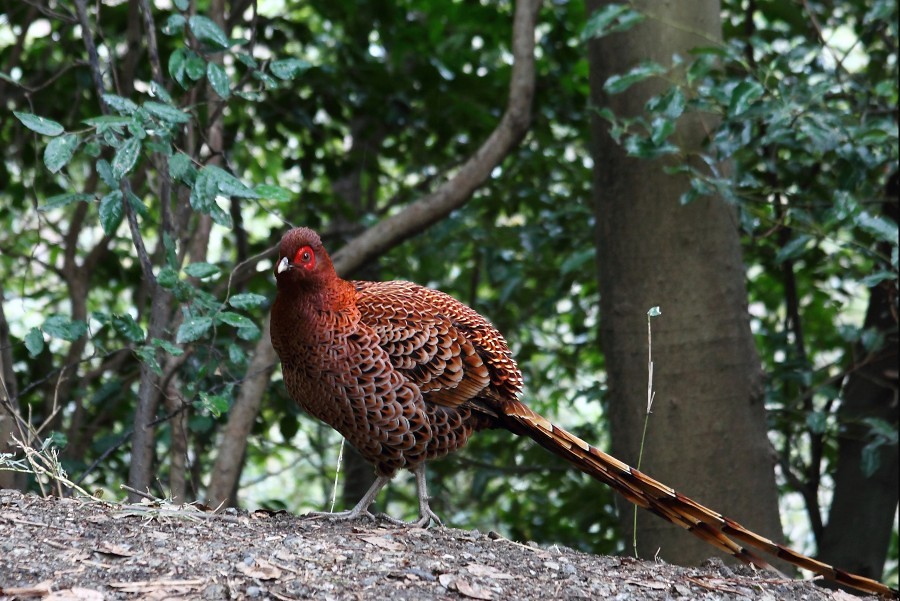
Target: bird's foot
column 423, row 522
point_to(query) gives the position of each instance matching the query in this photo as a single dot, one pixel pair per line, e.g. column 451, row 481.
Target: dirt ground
column 66, row 549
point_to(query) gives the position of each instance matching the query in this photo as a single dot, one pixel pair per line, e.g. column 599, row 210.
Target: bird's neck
column 303, row 310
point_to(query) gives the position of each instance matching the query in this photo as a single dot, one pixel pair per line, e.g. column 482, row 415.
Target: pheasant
column 407, row 374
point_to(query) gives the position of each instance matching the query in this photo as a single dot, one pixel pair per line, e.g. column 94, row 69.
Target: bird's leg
column 425, row 513
column 361, row 509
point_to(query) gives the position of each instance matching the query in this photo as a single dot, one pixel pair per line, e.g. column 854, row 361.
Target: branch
column 458, row 190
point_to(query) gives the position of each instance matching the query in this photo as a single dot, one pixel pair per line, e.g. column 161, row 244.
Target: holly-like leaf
column 610, row 18
column 193, row 329
column 619, row 83
column 111, row 212
column 247, row 300
column 166, row 113
column 218, row 80
column 34, row 342
column 276, row 193
column 61, row 200
column 201, row 270
column 288, row 68
column 216, row 404
column 123, row 106
column 206, row 30
column 41, row 125
column 59, row 152
column 127, row 327
column 228, row 184
column 174, row 24
column 59, row 326
column 126, row 158
column 743, row 95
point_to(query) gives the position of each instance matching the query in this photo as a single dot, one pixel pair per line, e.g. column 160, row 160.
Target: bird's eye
column 305, row 258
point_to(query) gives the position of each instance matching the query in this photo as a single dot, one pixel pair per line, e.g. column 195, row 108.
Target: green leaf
column 609, row 19
column 182, row 5
column 109, row 120
column 111, row 212
column 236, row 354
column 195, row 66
column 246, row 329
column 876, row 278
column 654, row 312
column 125, row 325
column 743, row 95
column 121, row 105
column 870, row 459
column 247, row 60
column 817, row 421
column 167, row 277
column 104, row 170
column 160, row 92
column 670, row 105
column 180, row 166
column 276, row 193
column 40, row 125
column 619, row 83
column 168, row 347
column 147, row 355
column 34, row 342
column 228, row 184
column 174, row 24
column 201, row 270
column 247, row 300
column 202, row 197
column 137, row 205
column 233, row 319
column 166, row 113
column 58, row 326
column 794, row 248
column 288, row 68
column 61, row 200
column 126, row 158
column 206, row 30
column 220, row 216
column 216, row 404
column 176, row 65
column 193, row 329
column 880, row 227
column 218, row 80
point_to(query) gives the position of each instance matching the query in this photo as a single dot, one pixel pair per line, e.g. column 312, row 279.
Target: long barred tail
column 642, row 490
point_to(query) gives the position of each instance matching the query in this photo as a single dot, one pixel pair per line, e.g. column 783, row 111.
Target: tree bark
column 858, row 533
column 707, row 432
column 9, row 404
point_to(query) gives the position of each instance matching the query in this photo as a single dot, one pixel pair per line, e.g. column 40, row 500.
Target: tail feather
column 723, row 533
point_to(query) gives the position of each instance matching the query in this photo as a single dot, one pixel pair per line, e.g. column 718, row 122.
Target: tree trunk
column 859, row 527
column 707, row 432
column 9, row 404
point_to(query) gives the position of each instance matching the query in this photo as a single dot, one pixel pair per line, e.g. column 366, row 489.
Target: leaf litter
column 83, row 550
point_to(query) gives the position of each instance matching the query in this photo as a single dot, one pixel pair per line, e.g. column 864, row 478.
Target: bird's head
column 302, row 258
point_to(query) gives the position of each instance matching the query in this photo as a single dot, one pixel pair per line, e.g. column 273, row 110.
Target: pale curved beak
column 283, row 265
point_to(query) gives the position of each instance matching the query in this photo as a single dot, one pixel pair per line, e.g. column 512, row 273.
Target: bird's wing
column 450, row 352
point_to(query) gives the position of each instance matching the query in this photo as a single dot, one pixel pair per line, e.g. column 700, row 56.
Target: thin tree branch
column 456, row 191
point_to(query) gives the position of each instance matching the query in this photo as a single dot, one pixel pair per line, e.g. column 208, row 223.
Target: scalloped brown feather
column 406, row 374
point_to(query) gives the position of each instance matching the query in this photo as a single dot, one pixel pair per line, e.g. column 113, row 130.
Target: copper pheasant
column 406, row 374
